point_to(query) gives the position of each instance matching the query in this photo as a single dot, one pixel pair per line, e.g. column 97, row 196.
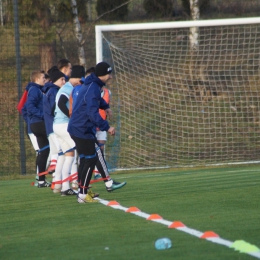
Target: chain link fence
column 36, row 34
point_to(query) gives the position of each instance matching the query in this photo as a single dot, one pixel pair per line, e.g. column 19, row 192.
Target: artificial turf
column 37, row 224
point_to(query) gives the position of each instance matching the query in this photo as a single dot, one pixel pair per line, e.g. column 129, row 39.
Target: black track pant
column 90, row 155
column 39, row 131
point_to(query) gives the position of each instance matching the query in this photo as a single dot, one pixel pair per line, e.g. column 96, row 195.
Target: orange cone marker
column 176, row 224
column 132, row 209
column 154, row 216
column 209, row 234
column 112, row 203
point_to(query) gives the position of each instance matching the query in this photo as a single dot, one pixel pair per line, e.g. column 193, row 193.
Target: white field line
column 193, row 232
column 175, row 174
column 246, row 171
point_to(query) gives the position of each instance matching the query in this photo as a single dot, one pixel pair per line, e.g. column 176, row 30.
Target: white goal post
column 178, row 106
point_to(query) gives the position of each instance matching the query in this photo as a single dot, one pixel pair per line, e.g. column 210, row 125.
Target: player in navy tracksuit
column 57, row 81
column 49, row 100
column 34, row 106
column 29, row 132
column 82, row 126
column 25, row 117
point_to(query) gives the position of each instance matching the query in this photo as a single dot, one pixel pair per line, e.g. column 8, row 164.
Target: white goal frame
column 165, row 25
column 99, row 29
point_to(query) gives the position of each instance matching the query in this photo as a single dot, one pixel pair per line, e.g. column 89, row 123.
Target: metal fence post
column 19, row 84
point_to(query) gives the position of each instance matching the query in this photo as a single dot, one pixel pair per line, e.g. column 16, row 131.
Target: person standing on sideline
column 82, row 126
column 65, row 67
column 34, row 106
column 102, row 135
column 72, row 99
column 60, row 125
column 28, row 130
column 57, row 81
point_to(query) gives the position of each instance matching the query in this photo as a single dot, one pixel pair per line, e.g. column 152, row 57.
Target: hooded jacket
column 85, row 116
column 48, row 107
column 46, row 87
column 25, row 107
column 34, row 104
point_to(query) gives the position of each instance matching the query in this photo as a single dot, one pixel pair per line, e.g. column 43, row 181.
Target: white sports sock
column 96, row 172
column 82, row 196
column 48, row 161
column 37, row 171
column 54, row 158
column 57, row 186
column 74, row 166
column 66, row 169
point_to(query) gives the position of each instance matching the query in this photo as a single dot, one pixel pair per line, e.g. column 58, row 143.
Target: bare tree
column 78, row 30
column 99, row 17
column 78, row 33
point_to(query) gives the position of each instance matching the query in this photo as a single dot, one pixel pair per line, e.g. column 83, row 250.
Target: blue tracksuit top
column 24, row 109
column 74, row 94
column 46, row 87
column 85, row 116
column 48, row 104
column 34, row 104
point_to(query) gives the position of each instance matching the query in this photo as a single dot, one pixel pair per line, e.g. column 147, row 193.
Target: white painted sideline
column 193, row 232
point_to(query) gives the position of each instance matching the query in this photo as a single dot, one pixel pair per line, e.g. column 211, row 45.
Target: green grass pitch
column 37, row 224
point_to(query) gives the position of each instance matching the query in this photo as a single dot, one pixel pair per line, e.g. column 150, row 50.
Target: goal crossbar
column 165, row 25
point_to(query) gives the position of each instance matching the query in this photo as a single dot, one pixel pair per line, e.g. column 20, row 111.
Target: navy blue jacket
column 48, row 104
column 85, row 116
column 34, row 104
column 24, row 109
column 46, row 87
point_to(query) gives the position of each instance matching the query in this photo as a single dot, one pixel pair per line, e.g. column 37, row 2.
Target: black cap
column 102, row 69
column 78, row 71
column 55, row 74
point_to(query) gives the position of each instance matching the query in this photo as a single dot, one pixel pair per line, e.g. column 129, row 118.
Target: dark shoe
column 68, row 192
column 44, row 185
column 116, row 185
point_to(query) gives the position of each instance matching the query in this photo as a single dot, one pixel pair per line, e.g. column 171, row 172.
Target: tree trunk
column 194, row 40
column 89, row 3
column 47, row 55
column 78, row 33
column 1, row 13
column 47, row 45
column 194, row 31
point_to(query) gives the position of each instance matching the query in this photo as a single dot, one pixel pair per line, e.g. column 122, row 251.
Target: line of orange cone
column 174, row 224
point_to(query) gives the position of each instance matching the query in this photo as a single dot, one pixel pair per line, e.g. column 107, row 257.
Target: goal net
column 176, row 104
